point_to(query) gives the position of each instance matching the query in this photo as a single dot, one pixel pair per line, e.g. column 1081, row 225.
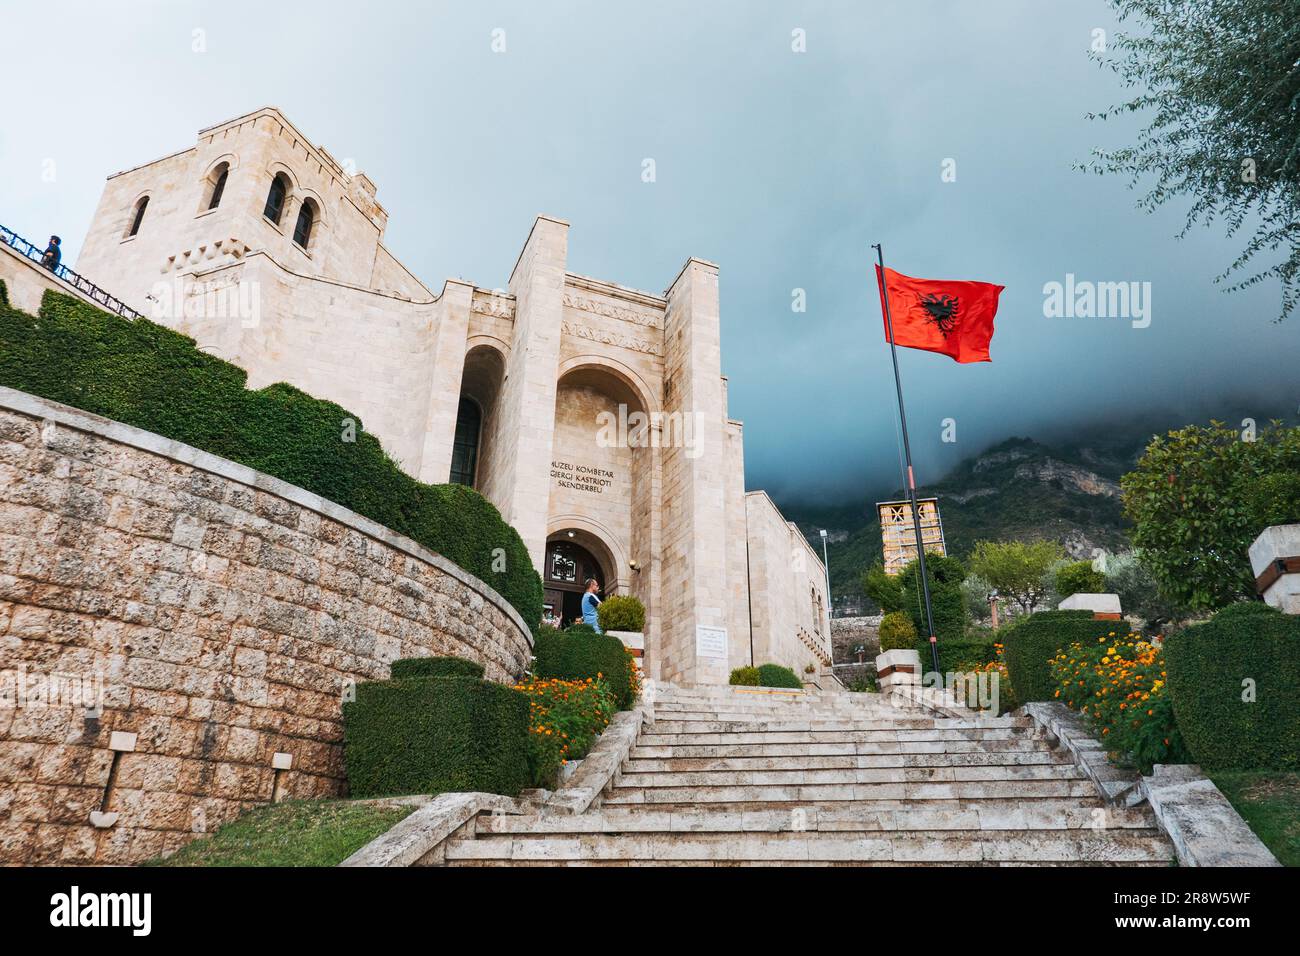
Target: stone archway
column 572, row 556
column 605, row 475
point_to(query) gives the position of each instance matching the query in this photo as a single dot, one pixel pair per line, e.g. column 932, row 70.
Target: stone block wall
column 789, row 626
column 216, row 613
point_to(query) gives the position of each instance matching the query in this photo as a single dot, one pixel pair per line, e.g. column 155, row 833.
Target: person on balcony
column 52, row 254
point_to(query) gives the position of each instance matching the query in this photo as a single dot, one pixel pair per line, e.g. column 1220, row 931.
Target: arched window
column 139, row 216
column 275, row 198
column 302, row 228
column 218, row 185
column 464, row 448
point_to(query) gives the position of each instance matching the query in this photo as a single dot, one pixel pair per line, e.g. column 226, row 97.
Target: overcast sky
column 782, row 167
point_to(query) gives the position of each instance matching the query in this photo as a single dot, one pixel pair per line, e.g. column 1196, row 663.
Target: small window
column 464, row 448
column 302, row 228
column 219, row 185
column 139, row 216
column 275, row 198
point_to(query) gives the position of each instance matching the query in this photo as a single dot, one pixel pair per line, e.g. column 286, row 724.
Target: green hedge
column 1213, row 667
column 774, row 675
column 436, row 667
column 436, row 735
column 148, row 376
column 744, row 677
column 578, row 654
column 1031, row 642
column 622, row 612
column 960, row 656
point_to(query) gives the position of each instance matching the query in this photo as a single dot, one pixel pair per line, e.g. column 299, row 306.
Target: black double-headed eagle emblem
column 941, row 310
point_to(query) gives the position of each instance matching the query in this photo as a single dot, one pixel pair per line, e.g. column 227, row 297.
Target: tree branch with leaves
column 1219, row 83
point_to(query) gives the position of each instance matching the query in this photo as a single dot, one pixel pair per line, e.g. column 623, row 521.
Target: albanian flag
column 954, row 318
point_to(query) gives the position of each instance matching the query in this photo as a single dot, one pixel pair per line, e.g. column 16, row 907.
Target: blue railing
column 78, row 282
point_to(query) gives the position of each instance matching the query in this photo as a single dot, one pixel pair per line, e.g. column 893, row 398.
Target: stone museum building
column 594, row 416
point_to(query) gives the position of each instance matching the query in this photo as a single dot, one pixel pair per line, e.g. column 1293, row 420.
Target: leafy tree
column 978, row 593
column 902, row 592
column 1197, row 499
column 1139, row 595
column 1017, row 569
column 1079, row 577
column 1219, row 81
column 947, row 604
column 883, row 588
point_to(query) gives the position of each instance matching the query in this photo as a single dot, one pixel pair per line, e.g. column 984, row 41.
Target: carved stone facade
column 593, row 415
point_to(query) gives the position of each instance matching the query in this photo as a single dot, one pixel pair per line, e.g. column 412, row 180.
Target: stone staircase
column 729, row 776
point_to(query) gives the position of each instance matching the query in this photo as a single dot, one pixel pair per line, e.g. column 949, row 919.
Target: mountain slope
column 1020, row 489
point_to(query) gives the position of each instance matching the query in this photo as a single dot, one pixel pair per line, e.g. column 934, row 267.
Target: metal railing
column 80, row 283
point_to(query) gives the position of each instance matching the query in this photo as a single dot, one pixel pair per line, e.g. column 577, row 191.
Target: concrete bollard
column 897, row 668
column 1275, row 562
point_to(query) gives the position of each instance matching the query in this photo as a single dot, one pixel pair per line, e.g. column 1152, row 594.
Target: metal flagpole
column 907, row 452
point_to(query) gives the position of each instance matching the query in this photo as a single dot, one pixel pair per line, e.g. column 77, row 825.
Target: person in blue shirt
column 589, row 604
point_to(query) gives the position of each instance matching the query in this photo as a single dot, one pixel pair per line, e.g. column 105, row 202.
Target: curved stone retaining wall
column 213, row 617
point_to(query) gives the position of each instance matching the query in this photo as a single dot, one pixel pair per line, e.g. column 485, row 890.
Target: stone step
column 959, row 846
column 880, row 722
column 657, row 737
column 638, row 764
column 878, row 805
column 864, row 775
column 800, row 714
column 832, row 792
column 781, row 714
column 1019, row 744
column 744, row 707
column 989, row 815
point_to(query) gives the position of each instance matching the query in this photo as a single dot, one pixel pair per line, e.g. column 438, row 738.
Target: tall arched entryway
column 567, row 566
column 604, row 473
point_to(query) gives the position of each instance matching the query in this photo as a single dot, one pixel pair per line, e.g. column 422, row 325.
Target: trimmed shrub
column 578, row 654
column 744, row 677
column 1117, row 684
column 143, row 374
column 436, row 667
column 960, row 656
column 1079, row 577
column 1031, row 642
column 564, row 720
column 947, row 601
column 774, row 675
column 897, row 632
column 1235, row 684
column 580, row 628
column 435, row 735
column 622, row 612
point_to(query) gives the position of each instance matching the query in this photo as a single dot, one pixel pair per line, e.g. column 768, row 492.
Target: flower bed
column 564, row 719
column 998, row 666
column 1118, row 684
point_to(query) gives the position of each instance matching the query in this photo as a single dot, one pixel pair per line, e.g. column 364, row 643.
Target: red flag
column 954, row 318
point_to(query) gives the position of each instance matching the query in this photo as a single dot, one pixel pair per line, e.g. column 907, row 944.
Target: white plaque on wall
column 710, row 641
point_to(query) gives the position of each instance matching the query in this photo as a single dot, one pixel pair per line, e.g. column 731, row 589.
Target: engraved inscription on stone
column 581, row 477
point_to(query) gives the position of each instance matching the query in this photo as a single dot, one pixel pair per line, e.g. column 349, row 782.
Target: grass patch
column 293, row 833
column 1270, row 802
